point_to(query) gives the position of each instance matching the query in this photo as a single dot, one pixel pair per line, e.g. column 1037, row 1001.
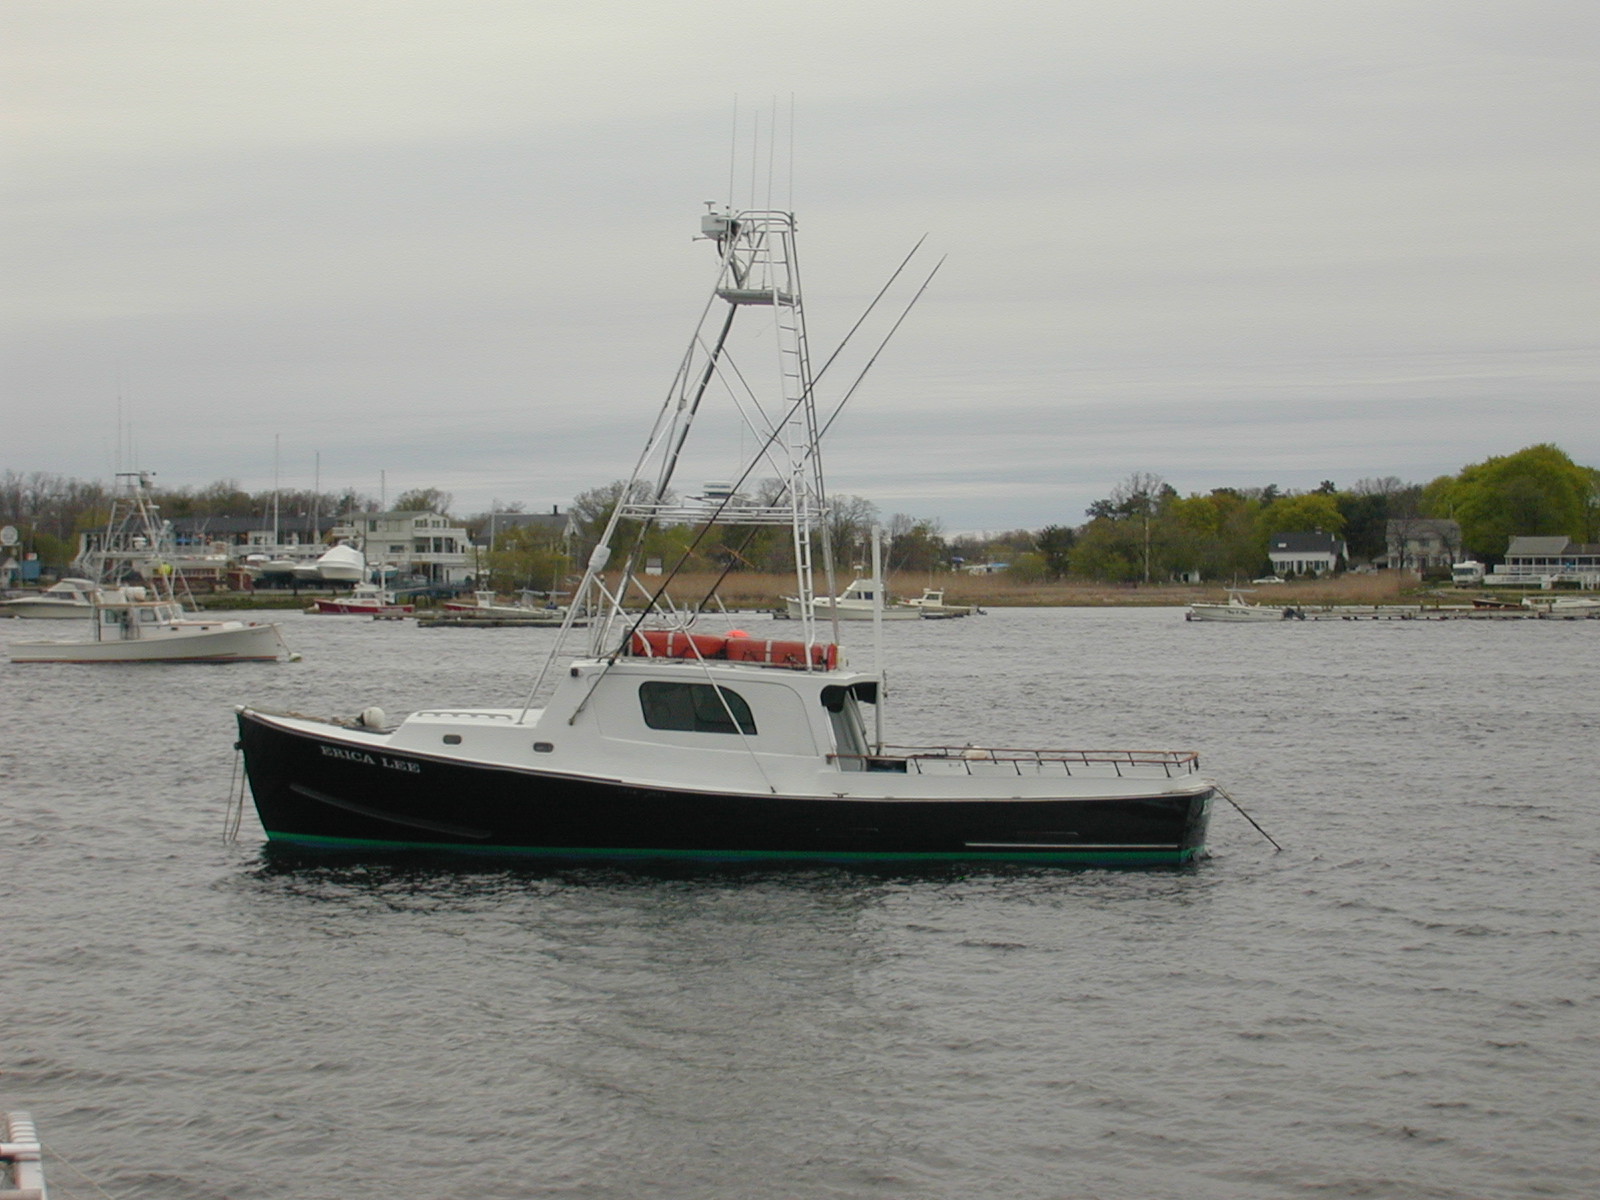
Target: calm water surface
column 1403, row 1003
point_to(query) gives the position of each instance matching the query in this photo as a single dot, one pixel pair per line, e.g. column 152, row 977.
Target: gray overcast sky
column 1225, row 241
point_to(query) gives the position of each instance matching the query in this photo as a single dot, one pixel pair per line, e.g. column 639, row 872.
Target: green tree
column 1536, row 491
column 1366, row 522
column 1216, row 534
column 591, row 512
column 1137, row 500
column 1110, row 550
column 528, row 556
column 914, row 545
column 1030, row 567
column 1055, row 543
column 1305, row 513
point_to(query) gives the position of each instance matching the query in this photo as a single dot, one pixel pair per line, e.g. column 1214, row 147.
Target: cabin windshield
column 850, row 741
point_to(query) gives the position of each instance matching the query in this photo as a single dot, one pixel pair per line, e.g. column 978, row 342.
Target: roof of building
column 1544, row 547
column 1306, row 543
column 555, row 520
column 1411, row 526
column 220, row 526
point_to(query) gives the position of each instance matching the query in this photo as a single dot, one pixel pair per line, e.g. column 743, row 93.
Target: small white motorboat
column 932, row 606
column 342, row 563
column 487, row 606
column 1237, row 610
column 364, row 600
column 1566, row 607
column 64, row 598
column 856, row 603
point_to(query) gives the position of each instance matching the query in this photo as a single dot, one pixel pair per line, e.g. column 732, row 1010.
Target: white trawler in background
column 147, row 622
column 667, row 738
column 863, row 600
column 63, row 599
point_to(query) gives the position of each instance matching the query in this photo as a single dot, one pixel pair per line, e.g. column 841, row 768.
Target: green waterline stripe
column 1115, row 857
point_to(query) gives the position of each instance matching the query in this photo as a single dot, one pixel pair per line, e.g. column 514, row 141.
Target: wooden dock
column 466, row 621
column 1439, row 612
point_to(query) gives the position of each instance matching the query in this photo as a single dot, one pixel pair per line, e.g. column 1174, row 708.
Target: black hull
column 307, row 796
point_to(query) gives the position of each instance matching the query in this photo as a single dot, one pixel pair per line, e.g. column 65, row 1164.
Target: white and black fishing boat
column 664, row 738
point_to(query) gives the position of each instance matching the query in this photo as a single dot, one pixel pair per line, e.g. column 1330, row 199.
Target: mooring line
column 1223, row 792
column 83, row 1175
column 233, row 814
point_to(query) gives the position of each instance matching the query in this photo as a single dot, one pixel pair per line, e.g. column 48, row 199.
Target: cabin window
column 694, row 708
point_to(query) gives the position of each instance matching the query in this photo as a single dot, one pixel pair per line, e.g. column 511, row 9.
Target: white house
column 1305, row 553
column 558, row 526
column 413, row 543
column 1542, row 562
column 1422, row 543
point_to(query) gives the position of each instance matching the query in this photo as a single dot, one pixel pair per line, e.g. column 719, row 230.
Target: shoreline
column 763, row 593
column 766, row 592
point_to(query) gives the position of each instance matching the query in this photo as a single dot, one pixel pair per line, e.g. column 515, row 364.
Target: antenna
column 754, row 194
column 755, row 152
column 733, row 146
column 772, row 145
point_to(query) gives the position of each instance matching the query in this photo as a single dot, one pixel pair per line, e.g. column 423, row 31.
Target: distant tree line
column 1144, row 531
column 50, row 511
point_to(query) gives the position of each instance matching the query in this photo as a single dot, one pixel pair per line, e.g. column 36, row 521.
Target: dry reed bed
column 746, row 590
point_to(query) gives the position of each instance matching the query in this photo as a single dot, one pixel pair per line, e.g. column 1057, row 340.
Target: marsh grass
column 751, row 590
column 748, row 590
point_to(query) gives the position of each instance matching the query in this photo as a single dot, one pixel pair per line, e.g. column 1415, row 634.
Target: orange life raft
column 678, row 643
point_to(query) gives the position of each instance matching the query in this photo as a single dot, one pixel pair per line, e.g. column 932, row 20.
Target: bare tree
column 1138, row 496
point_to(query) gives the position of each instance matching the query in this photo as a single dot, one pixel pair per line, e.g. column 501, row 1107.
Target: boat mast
column 773, row 395
column 758, row 270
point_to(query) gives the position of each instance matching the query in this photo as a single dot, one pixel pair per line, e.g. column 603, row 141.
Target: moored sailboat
column 665, row 739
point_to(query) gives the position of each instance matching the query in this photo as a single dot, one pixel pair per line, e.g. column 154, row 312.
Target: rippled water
column 1402, row 1003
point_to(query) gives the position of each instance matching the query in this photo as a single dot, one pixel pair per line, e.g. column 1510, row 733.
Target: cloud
column 1228, row 242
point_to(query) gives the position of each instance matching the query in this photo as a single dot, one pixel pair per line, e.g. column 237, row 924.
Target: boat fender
column 372, row 718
